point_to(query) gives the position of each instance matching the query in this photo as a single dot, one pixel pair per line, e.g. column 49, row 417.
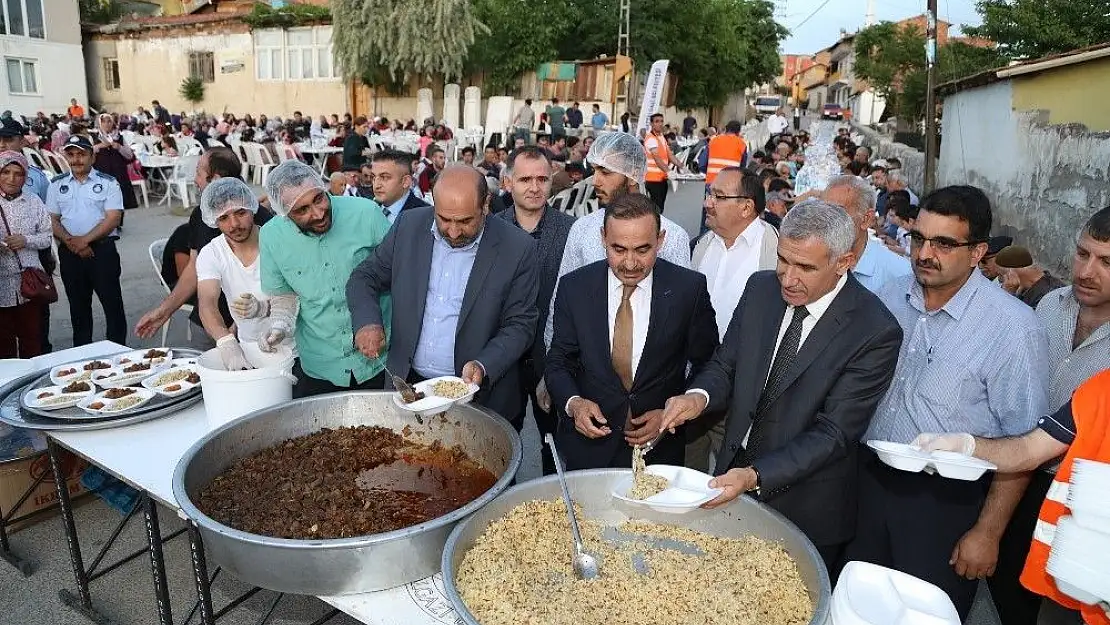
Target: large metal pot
column 592, row 491
column 347, row 565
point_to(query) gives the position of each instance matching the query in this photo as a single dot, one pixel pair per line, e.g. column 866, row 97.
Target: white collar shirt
column 727, row 270
column 641, row 313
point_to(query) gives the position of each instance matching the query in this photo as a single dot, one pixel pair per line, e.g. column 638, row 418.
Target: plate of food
column 156, row 356
column 78, row 371
column 437, row 395
column 663, row 487
column 115, row 401
column 57, row 397
column 127, row 374
column 173, row 382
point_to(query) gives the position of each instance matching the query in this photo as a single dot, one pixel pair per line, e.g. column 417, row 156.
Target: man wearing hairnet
column 229, row 264
column 308, row 256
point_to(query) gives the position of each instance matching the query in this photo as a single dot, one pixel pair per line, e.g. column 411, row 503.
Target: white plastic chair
column 184, row 174
column 140, row 185
column 57, row 164
column 156, row 249
column 258, row 157
column 35, row 158
column 188, row 145
column 287, row 153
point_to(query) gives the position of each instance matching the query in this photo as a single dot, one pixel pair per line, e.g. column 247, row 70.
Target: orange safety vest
column 1090, row 406
column 724, row 151
column 654, row 173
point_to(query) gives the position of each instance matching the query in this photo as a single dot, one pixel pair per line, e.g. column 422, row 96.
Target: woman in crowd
column 24, row 229
column 167, row 146
column 113, row 157
column 58, row 140
column 427, row 138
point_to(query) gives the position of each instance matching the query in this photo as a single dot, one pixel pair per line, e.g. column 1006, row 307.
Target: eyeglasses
column 721, row 198
column 942, row 245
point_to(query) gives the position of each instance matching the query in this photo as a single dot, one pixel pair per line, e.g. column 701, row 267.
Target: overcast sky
column 822, row 28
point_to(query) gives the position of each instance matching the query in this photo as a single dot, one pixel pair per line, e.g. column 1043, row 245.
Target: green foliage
column 892, row 60
column 265, row 16
column 1027, row 29
column 405, row 38
column 99, row 11
column 192, row 89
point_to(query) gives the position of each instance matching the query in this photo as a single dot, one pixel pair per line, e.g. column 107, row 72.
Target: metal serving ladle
column 584, row 564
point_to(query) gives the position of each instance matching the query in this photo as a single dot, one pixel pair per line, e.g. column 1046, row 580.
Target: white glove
column 272, row 336
column 959, row 443
column 247, row 306
column 231, row 353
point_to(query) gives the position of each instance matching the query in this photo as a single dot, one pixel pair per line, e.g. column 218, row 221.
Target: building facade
column 40, row 42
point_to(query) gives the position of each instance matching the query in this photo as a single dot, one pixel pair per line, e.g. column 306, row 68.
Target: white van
column 767, row 105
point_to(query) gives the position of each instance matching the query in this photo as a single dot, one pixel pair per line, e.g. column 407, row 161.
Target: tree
column 99, row 11
column 1027, row 29
column 402, row 38
column 517, row 41
column 192, row 90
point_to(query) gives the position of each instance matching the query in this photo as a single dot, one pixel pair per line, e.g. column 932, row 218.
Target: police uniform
column 80, row 207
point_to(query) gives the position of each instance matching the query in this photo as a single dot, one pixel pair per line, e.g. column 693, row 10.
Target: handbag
column 34, row 283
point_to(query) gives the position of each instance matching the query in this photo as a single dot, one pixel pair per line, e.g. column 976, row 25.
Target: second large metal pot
column 347, row 565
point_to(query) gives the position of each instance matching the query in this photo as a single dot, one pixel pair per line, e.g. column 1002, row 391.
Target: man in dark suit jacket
column 625, row 329
column 464, row 293
column 390, row 175
column 806, row 359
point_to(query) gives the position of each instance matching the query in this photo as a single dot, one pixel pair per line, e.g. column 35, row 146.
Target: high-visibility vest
column 654, row 173
column 724, row 151
column 1090, row 406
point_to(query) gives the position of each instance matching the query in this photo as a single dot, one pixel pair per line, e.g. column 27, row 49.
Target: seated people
column 175, row 256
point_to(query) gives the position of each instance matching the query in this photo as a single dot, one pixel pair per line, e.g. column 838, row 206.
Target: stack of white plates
column 868, row 594
column 1079, row 560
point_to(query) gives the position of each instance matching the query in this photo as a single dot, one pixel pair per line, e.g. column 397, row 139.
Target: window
column 111, row 73
column 23, row 18
column 21, row 76
column 203, row 66
column 303, row 54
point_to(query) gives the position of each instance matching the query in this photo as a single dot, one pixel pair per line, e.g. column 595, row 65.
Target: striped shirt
column 979, row 364
column 1058, row 313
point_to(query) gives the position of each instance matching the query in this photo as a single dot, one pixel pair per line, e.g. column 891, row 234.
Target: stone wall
column 1044, row 181
column 913, row 161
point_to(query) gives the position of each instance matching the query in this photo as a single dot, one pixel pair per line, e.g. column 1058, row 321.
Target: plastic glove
column 231, row 353
column 959, row 443
column 272, row 336
column 247, row 306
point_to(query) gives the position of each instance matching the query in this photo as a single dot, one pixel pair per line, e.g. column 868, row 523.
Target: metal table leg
column 10, row 517
column 83, row 601
column 157, row 561
column 200, row 575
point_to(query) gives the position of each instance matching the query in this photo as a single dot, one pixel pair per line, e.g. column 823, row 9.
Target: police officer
column 11, row 138
column 86, row 207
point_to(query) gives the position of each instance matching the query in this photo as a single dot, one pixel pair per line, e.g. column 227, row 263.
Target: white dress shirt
column 640, row 301
column 727, row 270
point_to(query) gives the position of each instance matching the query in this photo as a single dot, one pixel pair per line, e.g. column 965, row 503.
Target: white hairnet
column 225, row 195
column 619, row 152
column 289, row 182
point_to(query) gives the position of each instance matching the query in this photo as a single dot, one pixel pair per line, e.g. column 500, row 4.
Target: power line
column 810, row 16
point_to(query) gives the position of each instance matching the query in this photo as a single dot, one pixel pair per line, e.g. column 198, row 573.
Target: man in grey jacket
column 464, row 293
column 737, row 245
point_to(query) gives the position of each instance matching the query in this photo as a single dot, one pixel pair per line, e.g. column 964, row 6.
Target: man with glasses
column 975, row 360
column 737, row 245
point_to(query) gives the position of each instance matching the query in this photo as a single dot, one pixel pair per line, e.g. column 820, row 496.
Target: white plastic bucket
column 229, row 395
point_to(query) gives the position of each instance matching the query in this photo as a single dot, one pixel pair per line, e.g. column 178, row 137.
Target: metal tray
column 76, row 414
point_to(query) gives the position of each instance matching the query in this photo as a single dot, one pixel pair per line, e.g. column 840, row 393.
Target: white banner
column 653, row 94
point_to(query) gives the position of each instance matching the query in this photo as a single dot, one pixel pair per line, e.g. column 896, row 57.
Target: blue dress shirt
column 435, row 350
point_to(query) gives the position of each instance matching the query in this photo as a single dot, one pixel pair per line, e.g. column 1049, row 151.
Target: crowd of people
column 766, row 350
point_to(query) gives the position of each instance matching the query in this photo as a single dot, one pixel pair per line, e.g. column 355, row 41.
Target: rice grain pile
column 644, row 484
column 450, row 389
column 519, row 573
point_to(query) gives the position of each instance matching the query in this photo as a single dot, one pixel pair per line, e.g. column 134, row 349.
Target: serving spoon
column 584, row 564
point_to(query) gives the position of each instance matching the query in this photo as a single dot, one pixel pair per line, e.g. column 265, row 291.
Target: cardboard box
column 17, row 476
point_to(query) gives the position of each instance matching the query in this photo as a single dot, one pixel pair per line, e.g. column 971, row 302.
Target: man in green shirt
column 307, row 257
column 556, row 116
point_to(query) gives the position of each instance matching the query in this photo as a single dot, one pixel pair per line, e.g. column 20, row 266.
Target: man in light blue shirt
column 599, row 120
column 875, row 264
column 391, row 178
column 451, row 266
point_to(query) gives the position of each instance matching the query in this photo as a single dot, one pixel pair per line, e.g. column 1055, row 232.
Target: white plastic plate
column 945, row 463
column 116, row 378
column 110, row 405
column 57, row 399
column 173, row 389
column 140, row 355
column 165, row 377
column 688, row 490
column 78, row 371
column 432, row 403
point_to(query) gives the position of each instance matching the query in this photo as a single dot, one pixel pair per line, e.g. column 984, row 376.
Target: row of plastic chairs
column 49, row 162
column 577, row 201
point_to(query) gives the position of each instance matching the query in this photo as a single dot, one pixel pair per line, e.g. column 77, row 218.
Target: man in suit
column 390, row 176
column 625, row 329
column 464, row 293
column 806, row 358
column 529, row 169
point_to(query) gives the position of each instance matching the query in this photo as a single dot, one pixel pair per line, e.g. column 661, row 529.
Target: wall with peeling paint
column 1043, row 180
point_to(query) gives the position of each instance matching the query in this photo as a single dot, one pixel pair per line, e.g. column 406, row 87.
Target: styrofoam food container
column 688, row 490
column 145, row 394
column 959, row 466
column 181, row 385
column 1078, row 561
column 116, row 378
column 140, row 355
column 162, row 377
column 79, row 371
column 869, row 594
column 432, row 403
column 229, row 395
column 1089, row 507
column 900, row 456
column 30, row 398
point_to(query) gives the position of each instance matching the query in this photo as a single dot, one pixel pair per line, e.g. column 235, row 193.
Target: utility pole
column 930, row 97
